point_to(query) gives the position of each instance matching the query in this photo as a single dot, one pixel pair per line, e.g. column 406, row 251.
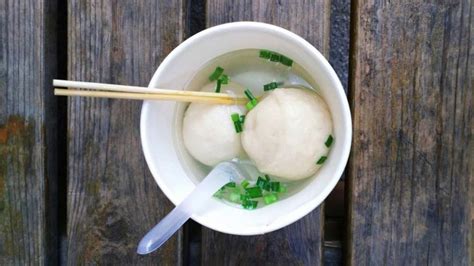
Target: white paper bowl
column 157, row 121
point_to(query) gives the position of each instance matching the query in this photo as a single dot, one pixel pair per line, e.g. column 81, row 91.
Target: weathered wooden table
column 74, row 186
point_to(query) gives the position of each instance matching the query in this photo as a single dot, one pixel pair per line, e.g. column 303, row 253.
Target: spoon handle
column 161, row 232
column 203, row 192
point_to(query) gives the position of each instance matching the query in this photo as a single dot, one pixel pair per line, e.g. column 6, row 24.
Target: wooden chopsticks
column 102, row 90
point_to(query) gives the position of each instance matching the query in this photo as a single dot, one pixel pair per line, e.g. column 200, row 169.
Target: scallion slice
column 244, row 197
column 242, row 119
column 270, row 198
column 253, row 101
column 261, row 182
column 224, row 79
column 250, row 105
column 275, row 57
column 274, row 186
column 265, row 54
column 264, row 184
column 271, row 86
column 321, row 160
column 235, row 117
column 286, row 61
column 282, row 189
column 245, row 183
column 249, row 95
column 216, row 74
column 218, row 86
column 238, row 127
column 249, row 197
column 254, row 192
column 237, row 124
column 329, row 141
column 250, row 204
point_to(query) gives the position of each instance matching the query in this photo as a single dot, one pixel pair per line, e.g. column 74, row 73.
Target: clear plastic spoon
column 218, row 177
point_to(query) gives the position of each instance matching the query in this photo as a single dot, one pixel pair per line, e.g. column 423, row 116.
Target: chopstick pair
column 102, row 90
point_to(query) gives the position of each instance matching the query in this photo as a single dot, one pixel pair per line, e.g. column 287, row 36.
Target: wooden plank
column 112, row 198
column 299, row 243
column 339, row 40
column 412, row 106
column 308, row 19
column 27, row 133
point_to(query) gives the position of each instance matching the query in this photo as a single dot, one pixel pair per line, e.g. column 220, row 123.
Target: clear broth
column 248, row 69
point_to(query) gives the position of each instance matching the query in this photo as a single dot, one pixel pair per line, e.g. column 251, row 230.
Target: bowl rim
column 308, row 206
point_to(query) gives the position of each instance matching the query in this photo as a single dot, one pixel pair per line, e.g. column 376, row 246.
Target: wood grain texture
column 411, row 164
column 309, row 19
column 299, row 243
column 27, row 133
column 112, row 198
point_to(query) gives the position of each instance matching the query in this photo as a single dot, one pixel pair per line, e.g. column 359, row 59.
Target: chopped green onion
column 250, row 105
column 230, row 184
column 234, row 197
column 271, row 86
column 253, row 192
column 265, row 54
column 329, row 141
column 282, row 189
column 253, row 101
column 286, row 61
column 244, row 197
column 249, row 95
column 274, row 186
column 235, row 117
column 216, row 74
column 321, row 160
column 218, row 86
column 275, row 57
column 270, row 198
column 242, row 119
column 238, row 127
column 250, row 204
column 237, row 124
column 264, row 184
column 247, row 196
column 261, row 182
column 224, row 79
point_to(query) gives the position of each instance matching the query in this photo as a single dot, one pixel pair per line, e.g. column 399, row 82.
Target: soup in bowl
column 178, row 161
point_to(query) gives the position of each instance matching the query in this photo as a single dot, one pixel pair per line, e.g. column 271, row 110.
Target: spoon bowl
column 219, row 176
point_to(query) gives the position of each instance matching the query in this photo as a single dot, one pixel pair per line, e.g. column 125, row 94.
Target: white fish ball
column 285, row 133
column 208, row 131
